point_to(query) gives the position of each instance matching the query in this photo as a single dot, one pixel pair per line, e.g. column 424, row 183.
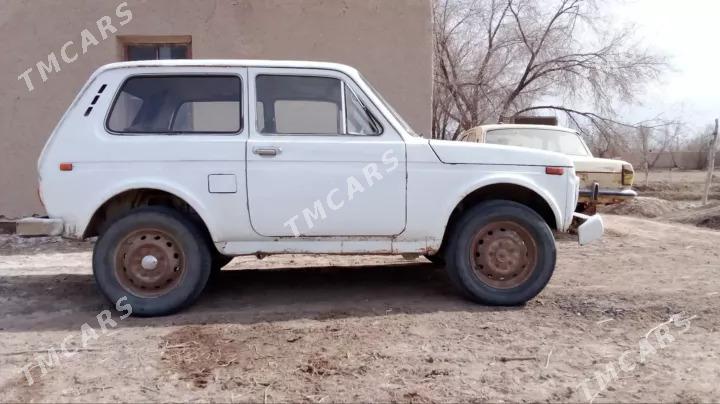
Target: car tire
column 501, row 253
column 218, row 260
column 155, row 258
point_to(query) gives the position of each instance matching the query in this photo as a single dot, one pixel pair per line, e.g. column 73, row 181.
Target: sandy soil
column 324, row 329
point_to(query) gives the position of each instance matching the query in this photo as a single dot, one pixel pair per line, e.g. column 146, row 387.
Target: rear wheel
column 501, row 253
column 219, row 261
column 155, row 258
column 437, row 259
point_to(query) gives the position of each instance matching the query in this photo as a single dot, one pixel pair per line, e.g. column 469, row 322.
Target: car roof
column 525, row 126
column 169, row 63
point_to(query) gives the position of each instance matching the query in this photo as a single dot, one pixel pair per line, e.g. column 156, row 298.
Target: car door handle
column 267, row 151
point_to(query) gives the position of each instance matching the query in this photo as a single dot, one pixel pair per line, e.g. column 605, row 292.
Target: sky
column 687, row 31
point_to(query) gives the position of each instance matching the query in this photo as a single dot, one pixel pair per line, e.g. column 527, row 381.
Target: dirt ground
column 634, row 317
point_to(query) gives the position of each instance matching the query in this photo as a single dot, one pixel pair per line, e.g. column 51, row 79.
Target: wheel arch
column 514, row 190
column 123, row 200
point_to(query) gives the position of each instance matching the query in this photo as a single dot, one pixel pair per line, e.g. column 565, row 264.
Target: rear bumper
column 39, row 226
column 590, row 229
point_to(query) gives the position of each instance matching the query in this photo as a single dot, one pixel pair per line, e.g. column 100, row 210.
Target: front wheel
column 153, row 257
column 501, row 253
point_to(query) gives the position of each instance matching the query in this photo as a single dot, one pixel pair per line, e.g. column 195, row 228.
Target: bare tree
column 497, row 59
column 469, row 58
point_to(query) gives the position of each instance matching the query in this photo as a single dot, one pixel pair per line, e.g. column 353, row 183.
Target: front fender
column 521, row 180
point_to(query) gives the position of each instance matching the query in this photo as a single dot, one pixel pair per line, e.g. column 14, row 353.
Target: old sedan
column 602, row 181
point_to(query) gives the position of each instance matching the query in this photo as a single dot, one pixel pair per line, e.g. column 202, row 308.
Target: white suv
column 179, row 165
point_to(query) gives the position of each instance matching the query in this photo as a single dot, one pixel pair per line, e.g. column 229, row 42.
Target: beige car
column 602, row 181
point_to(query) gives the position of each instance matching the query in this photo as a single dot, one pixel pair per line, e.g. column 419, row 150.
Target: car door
column 321, row 160
column 181, row 130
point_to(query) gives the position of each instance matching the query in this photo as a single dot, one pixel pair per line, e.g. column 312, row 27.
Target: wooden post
column 711, row 164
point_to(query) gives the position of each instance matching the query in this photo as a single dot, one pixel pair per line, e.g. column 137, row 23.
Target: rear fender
column 177, row 190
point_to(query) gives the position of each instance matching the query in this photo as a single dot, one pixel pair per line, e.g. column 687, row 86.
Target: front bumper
column 606, row 196
column 591, row 229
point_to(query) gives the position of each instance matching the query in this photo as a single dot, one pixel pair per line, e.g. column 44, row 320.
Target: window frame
column 365, row 108
column 116, row 96
column 125, row 41
column 343, row 86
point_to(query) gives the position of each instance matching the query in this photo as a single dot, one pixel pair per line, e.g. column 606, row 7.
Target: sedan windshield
column 543, row 139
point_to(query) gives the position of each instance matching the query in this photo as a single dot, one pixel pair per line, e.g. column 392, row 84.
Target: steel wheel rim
column 503, row 254
column 149, row 263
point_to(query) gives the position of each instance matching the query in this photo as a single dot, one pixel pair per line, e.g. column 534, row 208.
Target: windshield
column 394, row 113
column 543, row 139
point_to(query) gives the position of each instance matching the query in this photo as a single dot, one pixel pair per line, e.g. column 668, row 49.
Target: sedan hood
column 597, row 165
column 454, row 152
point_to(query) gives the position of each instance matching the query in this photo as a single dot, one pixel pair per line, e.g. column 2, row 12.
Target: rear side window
column 178, row 105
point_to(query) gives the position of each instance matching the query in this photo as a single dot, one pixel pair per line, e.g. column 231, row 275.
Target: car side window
column 305, row 105
column 178, row 105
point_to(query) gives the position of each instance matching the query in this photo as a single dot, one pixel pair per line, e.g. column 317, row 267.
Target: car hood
column 454, row 152
column 597, row 165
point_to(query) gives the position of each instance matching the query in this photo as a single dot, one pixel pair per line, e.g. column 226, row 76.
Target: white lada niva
column 177, row 166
